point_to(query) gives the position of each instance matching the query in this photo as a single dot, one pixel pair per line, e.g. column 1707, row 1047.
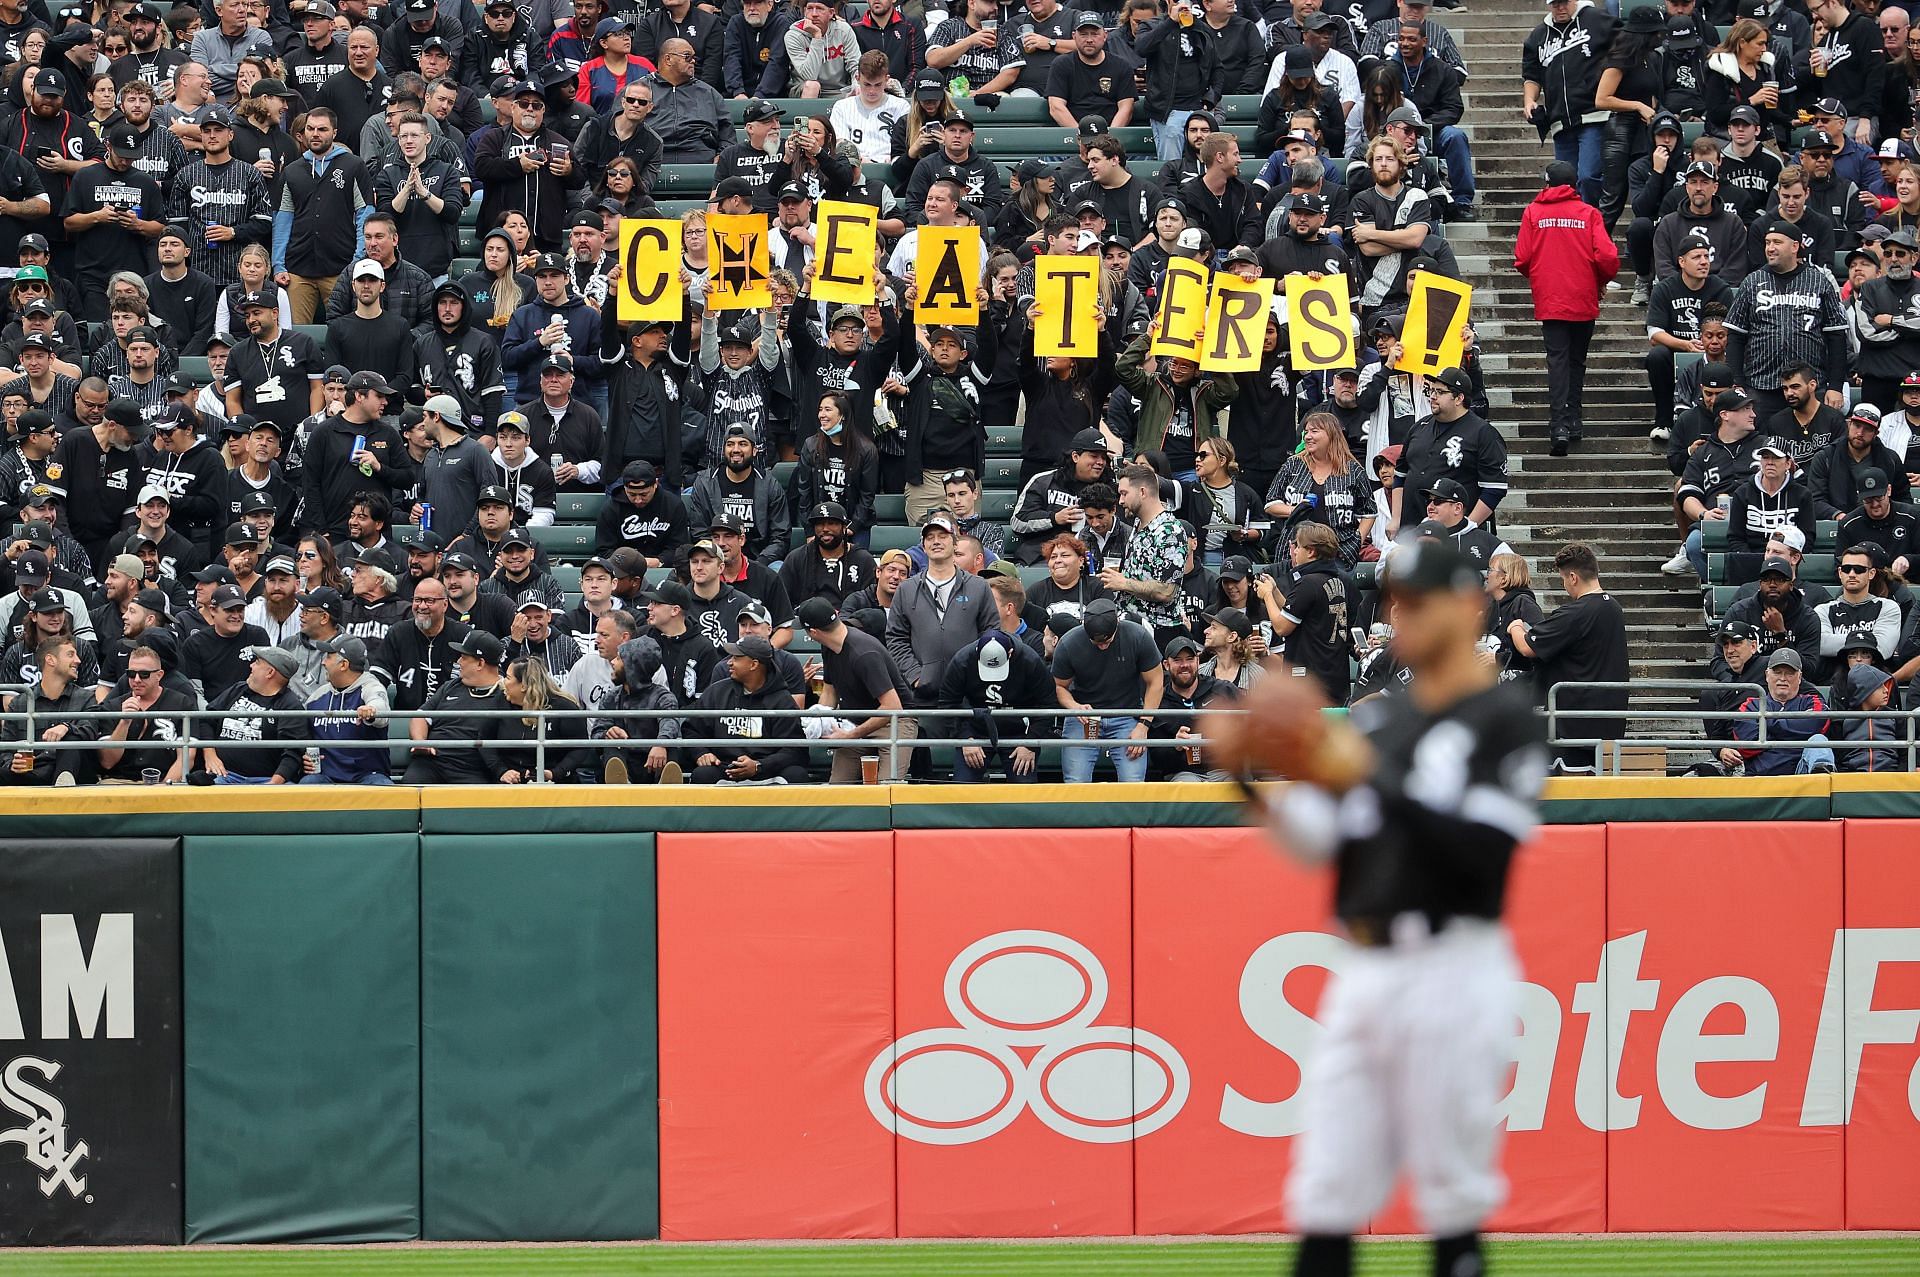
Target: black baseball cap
column 481, row 645
column 816, row 614
column 1102, row 619
column 1422, row 565
column 670, row 593
column 1445, row 489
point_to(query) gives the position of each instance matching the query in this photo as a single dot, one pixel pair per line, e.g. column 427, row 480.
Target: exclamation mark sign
column 1439, row 318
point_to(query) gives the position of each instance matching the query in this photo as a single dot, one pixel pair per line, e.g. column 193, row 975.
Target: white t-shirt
column 870, row 129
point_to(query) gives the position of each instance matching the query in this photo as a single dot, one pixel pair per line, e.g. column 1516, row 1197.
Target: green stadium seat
column 194, row 368
column 1366, row 575
column 1826, row 535
column 1713, row 535
column 1001, row 472
column 1691, row 132
column 1686, row 359
column 461, row 267
column 1020, row 141
column 680, row 208
column 1009, row 110
column 566, row 576
column 404, row 533
column 790, row 108
column 1003, row 441
column 564, row 541
column 890, row 509
column 1716, row 569
column 1240, row 108
column 1723, row 598
column 683, row 179
column 1031, row 575
column 316, row 331
column 467, row 244
column 783, row 472
column 997, row 506
column 470, row 213
column 893, row 537
column 1820, row 569
column 656, row 575
column 579, row 507
column 571, row 599
column 486, row 113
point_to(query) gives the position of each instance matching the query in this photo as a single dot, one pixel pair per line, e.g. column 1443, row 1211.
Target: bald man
column 688, row 113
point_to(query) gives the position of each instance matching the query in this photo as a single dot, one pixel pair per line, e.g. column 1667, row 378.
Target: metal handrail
column 1761, row 716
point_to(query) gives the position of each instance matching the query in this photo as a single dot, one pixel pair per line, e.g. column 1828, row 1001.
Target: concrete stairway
column 1614, row 491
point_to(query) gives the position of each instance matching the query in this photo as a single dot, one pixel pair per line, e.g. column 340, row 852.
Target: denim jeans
column 1581, row 146
column 1815, row 756
column 1077, row 762
column 1170, row 135
column 371, row 778
column 235, row 778
column 1450, row 144
column 1696, row 552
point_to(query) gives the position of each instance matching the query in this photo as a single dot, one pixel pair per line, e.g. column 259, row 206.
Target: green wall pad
column 302, row 958
column 540, row 1078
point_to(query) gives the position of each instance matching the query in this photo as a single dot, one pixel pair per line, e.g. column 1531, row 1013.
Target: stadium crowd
column 320, row 397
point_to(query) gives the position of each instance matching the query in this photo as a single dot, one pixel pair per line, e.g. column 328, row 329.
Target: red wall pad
column 1228, row 935
column 1873, row 1007
column 1719, row 942
column 776, row 990
column 1015, row 1081
column 1556, row 1164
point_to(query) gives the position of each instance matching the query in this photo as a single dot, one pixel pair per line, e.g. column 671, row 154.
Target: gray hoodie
column 1859, row 683
column 639, row 663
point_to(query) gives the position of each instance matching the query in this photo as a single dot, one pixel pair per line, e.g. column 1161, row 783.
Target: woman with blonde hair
column 1509, row 599
column 1331, row 485
column 528, row 686
column 1231, row 657
column 496, row 290
column 256, row 271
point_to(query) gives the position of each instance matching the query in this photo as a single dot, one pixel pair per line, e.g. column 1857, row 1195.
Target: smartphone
column 43, row 152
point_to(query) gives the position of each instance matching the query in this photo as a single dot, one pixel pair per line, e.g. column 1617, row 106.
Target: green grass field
column 1546, row 1257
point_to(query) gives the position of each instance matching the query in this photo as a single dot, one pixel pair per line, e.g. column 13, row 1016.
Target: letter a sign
column 1320, row 323
column 1437, row 311
column 843, row 268
column 946, row 275
column 1066, row 299
column 1236, row 324
column 737, row 274
column 650, row 278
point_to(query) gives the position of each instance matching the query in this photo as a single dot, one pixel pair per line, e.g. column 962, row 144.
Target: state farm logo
column 1025, row 1003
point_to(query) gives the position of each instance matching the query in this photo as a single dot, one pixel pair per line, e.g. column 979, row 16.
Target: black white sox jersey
column 1434, row 830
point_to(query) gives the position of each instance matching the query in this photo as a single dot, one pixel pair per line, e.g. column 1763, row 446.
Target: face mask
column 832, row 431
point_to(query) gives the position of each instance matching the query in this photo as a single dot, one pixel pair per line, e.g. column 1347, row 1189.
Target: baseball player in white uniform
column 1417, row 801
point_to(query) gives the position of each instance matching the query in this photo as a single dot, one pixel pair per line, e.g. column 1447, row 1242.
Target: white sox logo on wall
column 1026, row 1002
column 44, row 1138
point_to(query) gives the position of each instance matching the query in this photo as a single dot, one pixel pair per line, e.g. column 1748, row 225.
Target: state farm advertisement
column 1100, row 1031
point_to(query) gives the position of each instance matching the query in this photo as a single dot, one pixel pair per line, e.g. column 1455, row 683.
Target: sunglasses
column 143, row 673
column 1853, row 569
column 309, row 554
column 639, row 101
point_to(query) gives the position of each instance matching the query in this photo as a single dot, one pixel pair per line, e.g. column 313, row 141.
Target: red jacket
column 1566, row 253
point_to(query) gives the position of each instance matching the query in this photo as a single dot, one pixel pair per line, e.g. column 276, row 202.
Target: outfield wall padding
column 539, row 1087
column 489, row 1013
column 303, row 1038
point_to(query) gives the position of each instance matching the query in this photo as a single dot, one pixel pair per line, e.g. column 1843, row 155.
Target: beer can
column 426, row 516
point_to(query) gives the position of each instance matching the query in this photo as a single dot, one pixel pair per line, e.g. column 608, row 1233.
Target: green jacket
column 1212, row 393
